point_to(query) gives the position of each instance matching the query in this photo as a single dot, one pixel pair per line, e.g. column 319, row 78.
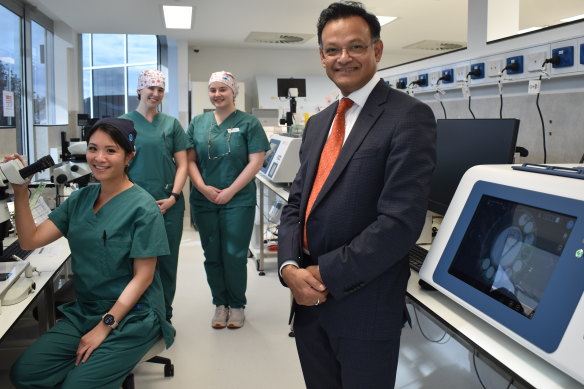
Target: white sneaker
column 236, row 318
column 220, row 317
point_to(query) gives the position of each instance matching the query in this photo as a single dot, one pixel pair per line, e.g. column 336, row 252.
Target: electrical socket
column 448, row 73
column 582, row 54
column 424, row 78
column 518, row 59
column 566, row 55
column 461, row 72
column 402, row 83
column 477, row 67
column 494, row 67
column 534, row 61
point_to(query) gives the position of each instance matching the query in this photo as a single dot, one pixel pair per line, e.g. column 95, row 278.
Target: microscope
column 14, row 172
column 73, row 168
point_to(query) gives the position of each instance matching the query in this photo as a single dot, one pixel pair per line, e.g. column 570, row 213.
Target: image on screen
column 270, row 154
column 510, row 251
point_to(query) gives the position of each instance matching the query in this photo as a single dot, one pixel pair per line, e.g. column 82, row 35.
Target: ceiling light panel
column 177, row 17
column 383, row 20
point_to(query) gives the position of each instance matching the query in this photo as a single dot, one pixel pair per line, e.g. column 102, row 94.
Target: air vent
column 278, row 37
column 436, row 45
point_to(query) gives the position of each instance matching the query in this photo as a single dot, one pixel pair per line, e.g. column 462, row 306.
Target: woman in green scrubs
column 115, row 232
column 228, row 151
column 160, row 167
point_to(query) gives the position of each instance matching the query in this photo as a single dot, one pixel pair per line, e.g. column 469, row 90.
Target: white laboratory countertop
column 488, row 340
column 48, row 260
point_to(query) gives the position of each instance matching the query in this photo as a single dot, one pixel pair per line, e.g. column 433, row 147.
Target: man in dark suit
column 353, row 214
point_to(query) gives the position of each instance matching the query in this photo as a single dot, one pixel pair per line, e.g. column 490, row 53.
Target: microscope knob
column 61, row 179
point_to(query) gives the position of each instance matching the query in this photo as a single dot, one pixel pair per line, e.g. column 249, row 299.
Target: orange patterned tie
column 329, row 155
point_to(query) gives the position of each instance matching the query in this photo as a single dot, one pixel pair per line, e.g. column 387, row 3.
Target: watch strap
column 175, row 195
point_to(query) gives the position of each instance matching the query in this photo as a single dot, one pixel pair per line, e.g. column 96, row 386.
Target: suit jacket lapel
column 320, row 139
column 367, row 118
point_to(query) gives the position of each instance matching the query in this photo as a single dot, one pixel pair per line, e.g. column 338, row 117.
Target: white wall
column 248, row 64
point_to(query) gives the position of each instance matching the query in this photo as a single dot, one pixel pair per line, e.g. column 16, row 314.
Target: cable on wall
column 511, row 66
column 553, row 60
column 440, row 92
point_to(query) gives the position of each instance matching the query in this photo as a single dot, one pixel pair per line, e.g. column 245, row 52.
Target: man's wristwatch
column 175, row 195
column 109, row 320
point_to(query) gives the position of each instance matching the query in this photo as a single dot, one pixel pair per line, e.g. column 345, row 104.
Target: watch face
column 109, row 320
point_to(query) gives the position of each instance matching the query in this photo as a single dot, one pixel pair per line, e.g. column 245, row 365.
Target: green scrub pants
column 225, row 236
column 168, row 264
column 50, row 361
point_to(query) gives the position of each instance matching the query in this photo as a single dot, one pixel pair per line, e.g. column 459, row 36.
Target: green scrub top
column 222, row 153
column 103, row 246
column 153, row 166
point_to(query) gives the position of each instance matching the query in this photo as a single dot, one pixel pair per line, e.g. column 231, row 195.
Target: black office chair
column 153, row 357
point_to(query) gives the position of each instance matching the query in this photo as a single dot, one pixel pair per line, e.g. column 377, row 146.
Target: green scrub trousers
column 225, row 235
column 104, row 246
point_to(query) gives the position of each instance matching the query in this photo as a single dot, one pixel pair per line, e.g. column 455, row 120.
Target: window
column 43, row 105
column 10, row 82
column 111, row 64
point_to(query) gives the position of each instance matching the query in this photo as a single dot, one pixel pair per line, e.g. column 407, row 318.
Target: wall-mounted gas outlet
column 433, row 77
column 402, row 83
column 514, row 65
column 447, row 76
column 461, row 72
column 423, row 80
column 477, row 70
column 534, row 61
column 565, row 55
column 494, row 67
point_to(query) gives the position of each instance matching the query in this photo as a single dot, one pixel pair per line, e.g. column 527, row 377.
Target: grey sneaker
column 220, row 317
column 236, row 318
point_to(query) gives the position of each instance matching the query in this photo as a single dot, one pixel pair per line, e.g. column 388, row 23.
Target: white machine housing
column 282, row 161
column 437, row 270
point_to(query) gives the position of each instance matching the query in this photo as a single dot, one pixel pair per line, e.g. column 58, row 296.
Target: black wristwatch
column 175, row 195
column 109, row 320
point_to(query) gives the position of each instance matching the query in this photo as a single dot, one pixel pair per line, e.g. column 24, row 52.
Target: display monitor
column 284, row 84
column 464, row 143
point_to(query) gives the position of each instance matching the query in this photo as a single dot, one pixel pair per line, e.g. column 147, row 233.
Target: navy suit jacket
column 368, row 214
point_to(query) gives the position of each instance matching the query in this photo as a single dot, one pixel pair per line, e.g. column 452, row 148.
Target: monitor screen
column 462, row 144
column 270, row 153
column 509, row 251
column 286, row 83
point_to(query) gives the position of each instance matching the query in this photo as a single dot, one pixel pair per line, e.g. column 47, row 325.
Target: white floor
column 261, row 355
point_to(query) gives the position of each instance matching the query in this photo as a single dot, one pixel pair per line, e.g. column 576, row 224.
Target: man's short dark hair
column 347, row 9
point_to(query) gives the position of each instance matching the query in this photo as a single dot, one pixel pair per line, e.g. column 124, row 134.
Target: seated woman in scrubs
column 116, row 232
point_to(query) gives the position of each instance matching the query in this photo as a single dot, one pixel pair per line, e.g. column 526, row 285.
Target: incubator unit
column 282, row 161
column 510, row 250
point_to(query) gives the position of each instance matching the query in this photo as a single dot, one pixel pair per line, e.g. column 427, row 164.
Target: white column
column 503, row 19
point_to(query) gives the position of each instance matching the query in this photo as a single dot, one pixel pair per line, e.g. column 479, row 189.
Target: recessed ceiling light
column 577, row 17
column 178, row 17
column 529, row 30
column 383, row 20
